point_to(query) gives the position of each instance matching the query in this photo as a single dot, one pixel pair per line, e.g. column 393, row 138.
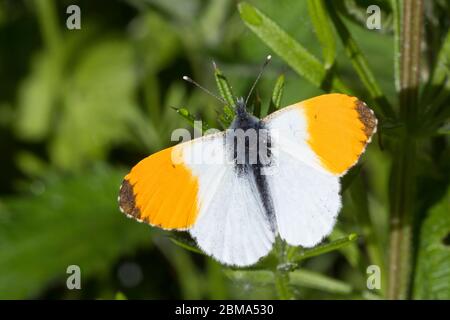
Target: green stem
column 360, row 199
column 48, row 23
column 403, row 173
column 303, row 254
column 361, row 66
column 411, row 34
column 282, row 273
column 396, row 9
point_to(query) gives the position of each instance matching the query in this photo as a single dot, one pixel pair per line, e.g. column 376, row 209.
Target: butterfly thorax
column 249, row 139
column 250, row 143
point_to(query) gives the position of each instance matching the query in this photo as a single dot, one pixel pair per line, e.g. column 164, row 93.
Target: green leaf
column 144, row 132
column 154, row 49
column 350, row 176
column 432, row 280
column 437, row 90
column 275, row 102
column 303, row 253
column 31, row 164
column 361, row 66
column 292, row 52
column 185, row 242
column 444, row 129
column 281, row 272
column 185, row 114
column 224, row 87
column 120, row 296
column 301, row 278
column 227, row 94
column 189, row 276
column 213, row 19
column 99, row 102
column 442, row 67
column 183, row 11
column 71, row 220
column 351, row 251
column 356, row 11
column 216, row 279
column 47, row 16
column 256, row 106
column 313, row 280
column 324, row 30
column 360, row 203
column 260, row 277
column 37, row 97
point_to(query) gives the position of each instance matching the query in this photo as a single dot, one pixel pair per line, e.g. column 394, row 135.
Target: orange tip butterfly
column 234, row 207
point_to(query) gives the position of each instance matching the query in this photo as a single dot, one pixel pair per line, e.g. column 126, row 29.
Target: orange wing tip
column 355, row 123
column 127, row 201
column 367, row 118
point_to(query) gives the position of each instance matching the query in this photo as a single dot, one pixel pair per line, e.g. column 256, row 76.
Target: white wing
column 306, row 201
column 305, row 195
column 231, row 226
column 314, row 143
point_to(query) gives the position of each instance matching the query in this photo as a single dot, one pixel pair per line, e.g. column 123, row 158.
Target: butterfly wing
column 194, row 186
column 234, row 228
column 314, row 143
column 162, row 191
column 328, row 132
column 306, row 201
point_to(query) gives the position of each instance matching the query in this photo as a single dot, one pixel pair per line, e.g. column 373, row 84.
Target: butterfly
column 234, row 207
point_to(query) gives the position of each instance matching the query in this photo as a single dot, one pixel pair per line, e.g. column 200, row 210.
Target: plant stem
column 361, row 66
column 281, row 273
column 396, row 10
column 48, row 23
column 403, row 173
column 411, row 34
column 323, row 248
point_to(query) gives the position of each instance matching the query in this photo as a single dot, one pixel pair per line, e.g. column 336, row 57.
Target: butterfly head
column 243, row 119
column 240, row 108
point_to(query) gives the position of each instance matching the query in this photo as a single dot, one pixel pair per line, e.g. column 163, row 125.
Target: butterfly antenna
column 266, row 62
column 186, row 78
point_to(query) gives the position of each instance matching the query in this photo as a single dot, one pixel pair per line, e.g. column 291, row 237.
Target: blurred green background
column 78, row 108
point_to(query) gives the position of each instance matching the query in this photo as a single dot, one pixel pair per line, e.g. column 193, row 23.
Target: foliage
column 433, row 274
column 64, row 222
column 80, row 107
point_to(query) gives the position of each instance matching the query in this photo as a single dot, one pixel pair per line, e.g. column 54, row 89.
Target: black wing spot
column 127, row 200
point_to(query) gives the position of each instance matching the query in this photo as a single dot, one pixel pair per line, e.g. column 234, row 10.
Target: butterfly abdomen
column 250, row 144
